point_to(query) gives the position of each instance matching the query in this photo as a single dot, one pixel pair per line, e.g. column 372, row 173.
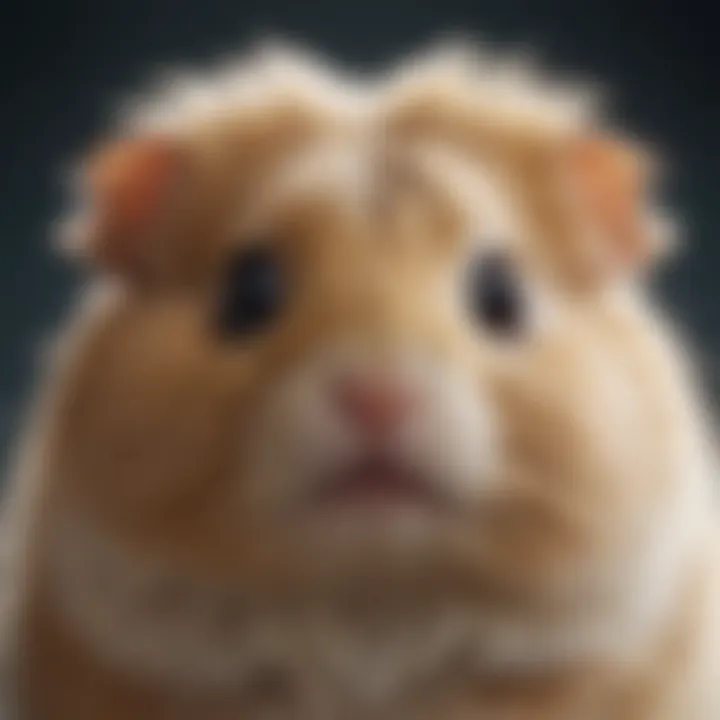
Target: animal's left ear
column 607, row 183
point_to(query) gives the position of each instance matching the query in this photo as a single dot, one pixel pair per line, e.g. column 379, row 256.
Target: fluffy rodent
column 292, row 271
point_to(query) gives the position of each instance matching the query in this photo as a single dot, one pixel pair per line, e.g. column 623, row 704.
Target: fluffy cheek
column 148, row 428
column 580, row 452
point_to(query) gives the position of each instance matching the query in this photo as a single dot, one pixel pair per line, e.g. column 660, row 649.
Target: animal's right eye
column 496, row 294
column 253, row 292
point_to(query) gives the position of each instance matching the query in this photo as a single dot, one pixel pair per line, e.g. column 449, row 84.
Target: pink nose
column 376, row 406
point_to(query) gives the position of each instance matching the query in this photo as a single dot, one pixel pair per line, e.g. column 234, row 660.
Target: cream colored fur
column 168, row 552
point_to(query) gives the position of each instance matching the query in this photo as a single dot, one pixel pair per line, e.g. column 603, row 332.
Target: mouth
column 377, row 480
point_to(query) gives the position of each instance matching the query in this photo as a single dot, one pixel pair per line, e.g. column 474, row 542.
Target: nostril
column 375, row 405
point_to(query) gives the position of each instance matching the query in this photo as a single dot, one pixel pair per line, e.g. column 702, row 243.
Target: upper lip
column 377, row 478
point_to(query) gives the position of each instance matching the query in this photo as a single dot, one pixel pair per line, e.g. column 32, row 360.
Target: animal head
column 368, row 342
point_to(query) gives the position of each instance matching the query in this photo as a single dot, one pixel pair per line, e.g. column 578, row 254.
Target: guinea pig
column 365, row 412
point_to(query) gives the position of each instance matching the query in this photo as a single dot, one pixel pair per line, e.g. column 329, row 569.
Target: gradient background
column 66, row 61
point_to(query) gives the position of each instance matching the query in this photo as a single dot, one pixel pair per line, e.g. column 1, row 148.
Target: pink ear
column 608, row 179
column 128, row 185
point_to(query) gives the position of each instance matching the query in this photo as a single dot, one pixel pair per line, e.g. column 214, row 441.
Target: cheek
column 566, row 462
column 456, row 436
column 574, row 430
column 154, row 427
column 295, row 435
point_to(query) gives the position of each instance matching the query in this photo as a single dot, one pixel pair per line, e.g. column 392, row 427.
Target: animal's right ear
column 129, row 193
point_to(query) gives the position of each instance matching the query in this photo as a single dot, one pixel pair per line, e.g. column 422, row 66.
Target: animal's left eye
column 253, row 292
column 496, row 295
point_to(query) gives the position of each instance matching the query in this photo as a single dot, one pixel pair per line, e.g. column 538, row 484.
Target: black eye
column 252, row 292
column 496, row 294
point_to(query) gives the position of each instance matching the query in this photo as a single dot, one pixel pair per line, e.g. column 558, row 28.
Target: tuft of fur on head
column 456, row 89
column 509, row 89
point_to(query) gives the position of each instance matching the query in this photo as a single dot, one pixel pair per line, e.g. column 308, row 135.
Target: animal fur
column 162, row 568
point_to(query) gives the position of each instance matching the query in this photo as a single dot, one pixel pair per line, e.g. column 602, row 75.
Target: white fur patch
column 449, row 438
column 205, row 638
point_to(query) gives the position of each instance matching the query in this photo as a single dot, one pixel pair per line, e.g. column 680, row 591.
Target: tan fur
column 576, row 575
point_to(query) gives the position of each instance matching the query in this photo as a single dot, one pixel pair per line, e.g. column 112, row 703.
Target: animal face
column 351, row 356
